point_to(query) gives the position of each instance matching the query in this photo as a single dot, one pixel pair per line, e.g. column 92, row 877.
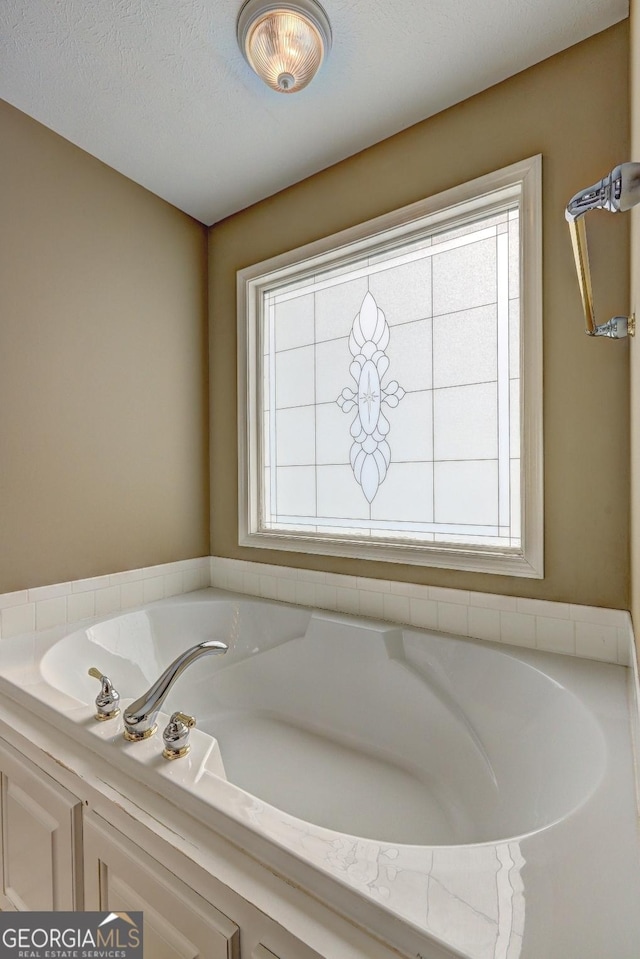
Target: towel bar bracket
column 616, row 329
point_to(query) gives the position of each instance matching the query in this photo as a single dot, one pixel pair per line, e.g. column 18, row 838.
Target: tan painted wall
column 573, row 108
column 635, row 344
column 103, row 369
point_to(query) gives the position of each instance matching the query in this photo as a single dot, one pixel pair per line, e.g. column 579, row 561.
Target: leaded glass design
column 391, row 391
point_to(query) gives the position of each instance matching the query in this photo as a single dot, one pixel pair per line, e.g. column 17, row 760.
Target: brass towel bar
column 617, row 192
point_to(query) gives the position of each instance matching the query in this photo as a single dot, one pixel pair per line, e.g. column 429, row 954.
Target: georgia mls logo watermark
column 70, row 935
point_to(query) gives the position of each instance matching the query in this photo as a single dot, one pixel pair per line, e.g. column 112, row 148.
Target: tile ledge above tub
column 589, row 632
column 44, row 607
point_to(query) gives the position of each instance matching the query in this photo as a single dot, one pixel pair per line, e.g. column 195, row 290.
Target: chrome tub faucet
column 140, row 716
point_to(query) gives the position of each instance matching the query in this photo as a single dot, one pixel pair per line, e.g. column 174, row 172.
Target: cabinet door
column 261, row 952
column 41, row 836
column 177, row 922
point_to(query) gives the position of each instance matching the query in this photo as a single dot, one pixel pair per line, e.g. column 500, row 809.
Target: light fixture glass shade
column 284, row 43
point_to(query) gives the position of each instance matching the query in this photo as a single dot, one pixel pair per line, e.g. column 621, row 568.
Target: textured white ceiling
column 159, row 90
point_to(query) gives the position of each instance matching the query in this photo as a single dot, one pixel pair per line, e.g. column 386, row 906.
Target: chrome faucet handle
column 107, row 699
column 176, row 736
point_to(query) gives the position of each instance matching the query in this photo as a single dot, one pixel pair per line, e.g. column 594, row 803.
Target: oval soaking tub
column 449, row 797
column 389, row 734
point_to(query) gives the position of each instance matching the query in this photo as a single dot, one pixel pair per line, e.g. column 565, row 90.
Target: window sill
column 495, row 561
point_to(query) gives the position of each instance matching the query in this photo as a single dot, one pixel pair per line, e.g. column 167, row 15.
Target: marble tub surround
column 590, row 632
column 537, row 887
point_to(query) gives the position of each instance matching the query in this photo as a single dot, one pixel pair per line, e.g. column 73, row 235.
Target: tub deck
column 484, row 796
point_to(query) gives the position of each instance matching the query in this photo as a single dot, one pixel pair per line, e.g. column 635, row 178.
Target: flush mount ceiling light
column 284, row 43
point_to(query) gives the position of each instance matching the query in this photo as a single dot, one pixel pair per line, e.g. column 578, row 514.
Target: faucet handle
column 107, row 699
column 176, row 735
column 189, row 721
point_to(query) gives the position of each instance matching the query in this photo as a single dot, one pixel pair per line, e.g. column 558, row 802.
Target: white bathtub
column 437, row 776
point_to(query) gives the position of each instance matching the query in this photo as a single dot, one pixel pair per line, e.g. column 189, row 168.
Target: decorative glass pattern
column 419, row 343
column 370, row 454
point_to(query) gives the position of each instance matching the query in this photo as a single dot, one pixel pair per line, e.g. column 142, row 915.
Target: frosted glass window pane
column 344, row 530
column 290, row 524
column 399, row 250
column 266, row 506
column 294, row 377
column 406, row 494
column 467, row 492
column 466, row 422
column 411, row 435
column 515, row 499
column 336, row 307
column 441, row 335
column 514, row 337
column 464, row 277
column 489, row 539
column 409, row 352
column 342, row 270
column 339, row 496
column 514, row 418
column 332, row 369
column 465, row 347
column 403, row 292
column 296, row 490
column 514, row 257
column 293, row 286
column 266, row 438
column 333, row 440
column 294, row 322
column 295, row 437
column 501, row 218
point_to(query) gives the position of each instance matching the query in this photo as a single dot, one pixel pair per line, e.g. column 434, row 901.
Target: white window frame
column 468, row 199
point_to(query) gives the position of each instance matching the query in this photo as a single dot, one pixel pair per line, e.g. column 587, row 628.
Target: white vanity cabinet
column 57, row 853
column 40, row 854
column 177, row 922
column 70, row 840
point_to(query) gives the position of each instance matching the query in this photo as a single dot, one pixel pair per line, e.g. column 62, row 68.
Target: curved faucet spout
column 140, row 716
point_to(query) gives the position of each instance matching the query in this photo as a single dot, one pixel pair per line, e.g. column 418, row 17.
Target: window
column 390, row 385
